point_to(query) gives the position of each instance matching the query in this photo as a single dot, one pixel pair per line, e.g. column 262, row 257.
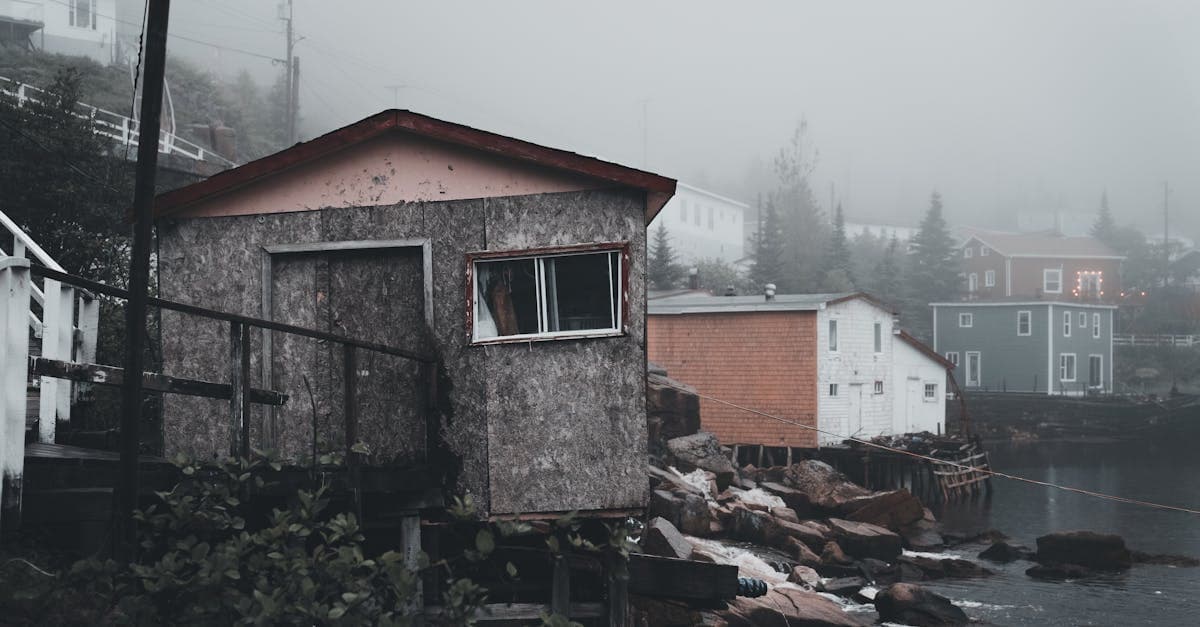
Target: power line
column 137, row 68
column 987, row 471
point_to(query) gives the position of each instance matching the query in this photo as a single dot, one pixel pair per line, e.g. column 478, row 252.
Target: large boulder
column 672, row 410
column 796, row 500
column 695, row 518
column 701, row 450
column 894, row 509
column 922, row 535
column 1002, row 553
column 664, row 504
column 866, row 540
column 787, row 606
column 911, row 604
column 823, row 486
column 804, row 576
column 811, row 533
column 933, row 568
column 1096, row 551
column 663, row 539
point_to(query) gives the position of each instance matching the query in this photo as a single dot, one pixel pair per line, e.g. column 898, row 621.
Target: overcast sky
column 1002, row 106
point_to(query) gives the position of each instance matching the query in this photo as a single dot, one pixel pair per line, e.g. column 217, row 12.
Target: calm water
column 1163, row 472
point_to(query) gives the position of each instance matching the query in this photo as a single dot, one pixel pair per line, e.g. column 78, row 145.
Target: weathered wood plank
column 560, row 587
column 681, row 579
column 151, row 382
column 14, row 349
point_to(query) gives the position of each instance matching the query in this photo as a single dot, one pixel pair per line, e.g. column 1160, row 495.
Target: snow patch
column 695, row 479
column 758, row 496
column 749, row 564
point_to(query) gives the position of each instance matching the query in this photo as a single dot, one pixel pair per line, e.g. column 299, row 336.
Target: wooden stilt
column 560, row 591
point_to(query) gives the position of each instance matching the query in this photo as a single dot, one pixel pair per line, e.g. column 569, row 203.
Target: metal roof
column 691, row 303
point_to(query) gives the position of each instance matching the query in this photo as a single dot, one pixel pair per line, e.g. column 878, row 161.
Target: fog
column 1001, row 106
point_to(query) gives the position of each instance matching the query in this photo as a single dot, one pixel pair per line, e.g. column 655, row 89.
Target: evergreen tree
column 1104, row 228
column 933, row 272
column 768, row 257
column 803, row 227
column 663, row 271
column 886, row 278
column 839, row 265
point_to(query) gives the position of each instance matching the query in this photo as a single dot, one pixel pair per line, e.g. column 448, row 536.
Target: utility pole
column 645, row 134
column 1166, row 239
column 290, row 75
column 139, row 276
column 295, row 100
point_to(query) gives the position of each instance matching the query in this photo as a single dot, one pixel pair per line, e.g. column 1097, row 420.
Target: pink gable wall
column 386, row 171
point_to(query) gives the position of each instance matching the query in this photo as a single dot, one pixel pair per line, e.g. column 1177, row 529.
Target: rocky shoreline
column 822, row 543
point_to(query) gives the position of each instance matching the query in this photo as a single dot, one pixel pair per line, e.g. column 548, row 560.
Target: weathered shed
column 521, row 267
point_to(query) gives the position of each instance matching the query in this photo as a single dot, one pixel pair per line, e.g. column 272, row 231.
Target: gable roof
column 694, row 303
column 658, row 188
column 1043, row 244
column 924, row 349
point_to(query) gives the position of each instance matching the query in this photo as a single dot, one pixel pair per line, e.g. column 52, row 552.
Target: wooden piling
column 14, row 355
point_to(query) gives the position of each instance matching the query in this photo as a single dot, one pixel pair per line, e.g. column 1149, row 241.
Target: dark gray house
column 1028, row 346
column 521, row 267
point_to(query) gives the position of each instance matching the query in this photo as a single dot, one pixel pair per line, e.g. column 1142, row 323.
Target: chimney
column 693, row 278
column 730, row 290
column 769, row 292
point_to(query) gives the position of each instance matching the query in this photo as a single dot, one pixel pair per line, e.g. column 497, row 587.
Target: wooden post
column 560, row 590
column 410, row 531
column 350, row 409
column 239, row 380
column 57, row 340
column 617, row 570
column 89, row 330
column 157, row 17
column 14, row 357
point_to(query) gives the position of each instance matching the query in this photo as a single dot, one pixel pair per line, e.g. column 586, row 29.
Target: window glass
column 930, row 390
column 1052, row 280
column 972, row 282
column 533, row 296
column 1066, row 324
column 878, row 337
column 833, row 338
column 952, row 357
column 968, row 252
column 833, row 389
column 966, row 320
column 1023, row 323
column 989, row 278
column 1095, row 325
column 879, row 387
column 1082, row 320
column 1066, row 367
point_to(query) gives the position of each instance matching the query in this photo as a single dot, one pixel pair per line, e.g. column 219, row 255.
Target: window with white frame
column 878, row 337
column 1066, row 324
column 984, row 251
column 989, row 278
column 966, row 320
column 683, row 211
column 1066, row 367
column 1052, row 280
column 83, row 13
column 1096, row 325
column 1095, row 371
column 952, row 357
column 1082, row 320
column 526, row 295
column 879, row 387
column 974, row 368
column 972, row 282
column 931, row 391
column 833, row 339
column 968, row 252
column 1024, row 323
column 833, row 389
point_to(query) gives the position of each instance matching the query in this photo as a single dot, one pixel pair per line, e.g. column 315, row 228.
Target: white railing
column 67, row 328
column 1162, row 339
column 116, row 126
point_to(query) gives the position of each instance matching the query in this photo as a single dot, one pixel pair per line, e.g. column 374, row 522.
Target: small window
column 968, row 252
column 1082, row 320
column 931, row 389
column 966, row 320
column 972, row 282
column 879, row 387
column 984, row 252
column 952, row 357
column 1024, row 324
column 989, row 278
column 528, row 296
column 1066, row 324
column 833, row 389
column 878, row 337
column 696, row 216
column 1052, row 280
column 1096, row 325
column 83, row 13
column 833, row 339
column 710, row 218
column 1066, row 367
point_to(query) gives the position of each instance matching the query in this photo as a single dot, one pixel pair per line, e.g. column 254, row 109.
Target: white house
column 72, row 27
column 919, row 375
column 703, row 225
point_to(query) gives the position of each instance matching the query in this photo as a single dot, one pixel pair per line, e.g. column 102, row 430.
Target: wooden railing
column 16, row 283
column 1156, row 339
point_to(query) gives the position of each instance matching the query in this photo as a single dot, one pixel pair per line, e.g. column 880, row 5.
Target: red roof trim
column 929, row 352
column 659, row 188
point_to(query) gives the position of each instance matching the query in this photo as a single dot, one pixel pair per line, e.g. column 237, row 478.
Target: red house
column 999, row 265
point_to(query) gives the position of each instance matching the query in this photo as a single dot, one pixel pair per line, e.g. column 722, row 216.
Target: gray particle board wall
column 529, row 427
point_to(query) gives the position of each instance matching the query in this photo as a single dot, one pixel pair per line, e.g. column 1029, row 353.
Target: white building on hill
column 72, row 27
column 703, row 225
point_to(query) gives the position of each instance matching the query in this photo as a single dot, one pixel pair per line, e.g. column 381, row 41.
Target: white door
column 913, row 399
column 854, row 413
column 973, row 369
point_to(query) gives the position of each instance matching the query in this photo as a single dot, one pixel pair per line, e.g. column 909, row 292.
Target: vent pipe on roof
column 769, row 292
column 693, row 278
column 730, row 290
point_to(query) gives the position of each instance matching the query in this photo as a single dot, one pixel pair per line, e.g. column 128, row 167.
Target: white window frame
column 931, row 393
column 984, row 252
column 878, row 386
column 617, row 280
column 989, row 278
column 1028, row 315
column 833, row 389
column 966, row 320
column 1096, row 325
column 1046, row 272
column 878, row 338
column 978, row 369
column 1100, row 371
column 833, row 335
column 952, row 357
column 1083, row 320
column 1066, row 324
column 72, row 13
column 972, row 282
column 1062, row 367
column 968, row 252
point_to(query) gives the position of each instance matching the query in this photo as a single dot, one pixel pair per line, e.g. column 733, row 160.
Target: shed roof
column 658, row 188
column 1044, row 244
column 693, row 303
column 924, row 349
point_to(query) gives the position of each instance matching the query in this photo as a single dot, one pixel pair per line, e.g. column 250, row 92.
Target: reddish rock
column 663, row 539
column 802, row 553
column 833, row 554
column 787, row 607
column 823, row 486
column 911, row 604
column 785, row 514
column 701, row 450
column 805, row 576
column 922, row 536
column 1092, row 550
column 893, row 509
column 866, row 540
column 671, row 412
column 695, row 518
